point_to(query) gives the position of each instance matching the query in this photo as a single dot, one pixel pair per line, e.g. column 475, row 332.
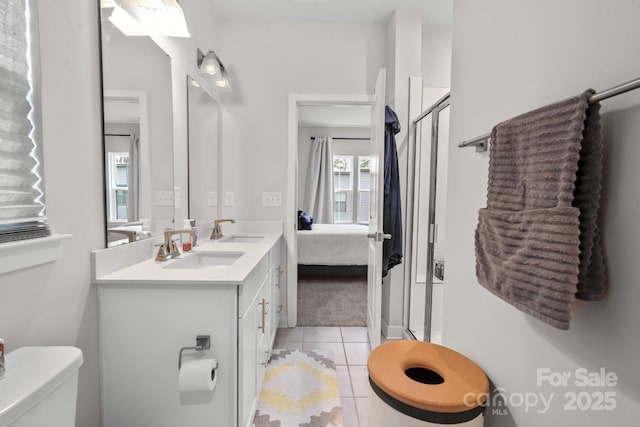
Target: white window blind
column 364, row 186
column 343, row 189
column 21, row 206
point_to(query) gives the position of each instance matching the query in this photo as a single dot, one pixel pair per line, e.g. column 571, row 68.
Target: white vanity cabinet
column 258, row 322
column 143, row 325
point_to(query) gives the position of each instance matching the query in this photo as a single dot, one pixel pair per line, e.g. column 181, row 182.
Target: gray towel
column 537, row 244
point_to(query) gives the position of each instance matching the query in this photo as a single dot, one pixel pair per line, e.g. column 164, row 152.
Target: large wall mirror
column 138, row 135
column 204, row 153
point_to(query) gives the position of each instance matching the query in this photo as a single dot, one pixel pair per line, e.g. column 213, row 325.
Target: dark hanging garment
column 392, row 214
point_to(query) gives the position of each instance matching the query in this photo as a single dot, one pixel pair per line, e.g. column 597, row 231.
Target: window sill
column 29, row 253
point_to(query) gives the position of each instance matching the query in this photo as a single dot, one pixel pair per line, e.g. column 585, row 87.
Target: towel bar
column 481, row 142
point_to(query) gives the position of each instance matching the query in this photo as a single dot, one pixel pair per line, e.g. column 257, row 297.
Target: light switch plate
column 271, row 199
column 164, row 198
column 229, row 198
column 212, row 198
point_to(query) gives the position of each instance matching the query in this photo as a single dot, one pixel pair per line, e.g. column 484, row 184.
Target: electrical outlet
column 272, row 199
column 164, row 198
column 229, row 198
column 212, row 198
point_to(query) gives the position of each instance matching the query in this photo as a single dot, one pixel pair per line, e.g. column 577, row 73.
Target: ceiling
column 360, row 11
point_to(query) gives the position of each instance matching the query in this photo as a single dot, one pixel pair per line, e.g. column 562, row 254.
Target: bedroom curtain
column 318, row 195
column 133, row 211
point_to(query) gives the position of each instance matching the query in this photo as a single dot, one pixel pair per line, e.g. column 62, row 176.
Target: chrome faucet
column 216, row 233
column 169, row 249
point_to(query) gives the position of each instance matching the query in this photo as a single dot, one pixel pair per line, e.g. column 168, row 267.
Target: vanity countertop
column 152, row 272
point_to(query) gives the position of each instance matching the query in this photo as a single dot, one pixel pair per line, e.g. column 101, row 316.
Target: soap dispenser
column 187, row 244
column 1, row 358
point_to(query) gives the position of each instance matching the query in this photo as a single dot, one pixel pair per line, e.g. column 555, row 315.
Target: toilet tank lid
column 31, row 374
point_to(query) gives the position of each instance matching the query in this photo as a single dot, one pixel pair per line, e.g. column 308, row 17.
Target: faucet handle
column 173, row 248
column 161, row 255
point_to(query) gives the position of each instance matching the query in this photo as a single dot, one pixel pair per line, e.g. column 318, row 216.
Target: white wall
column 436, row 56
column 508, row 58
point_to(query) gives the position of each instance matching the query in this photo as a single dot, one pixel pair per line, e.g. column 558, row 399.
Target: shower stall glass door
column 429, row 204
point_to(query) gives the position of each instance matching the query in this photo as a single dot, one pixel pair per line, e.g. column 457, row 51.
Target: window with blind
column 21, row 198
column 364, row 185
column 118, row 197
column 347, row 207
column 343, row 189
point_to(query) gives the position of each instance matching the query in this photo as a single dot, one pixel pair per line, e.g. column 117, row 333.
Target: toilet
column 417, row 384
column 40, row 387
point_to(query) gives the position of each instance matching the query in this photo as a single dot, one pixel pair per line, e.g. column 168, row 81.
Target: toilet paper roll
column 198, row 375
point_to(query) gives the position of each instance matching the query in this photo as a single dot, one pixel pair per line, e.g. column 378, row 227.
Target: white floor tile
column 336, row 347
column 359, row 380
column 350, row 414
column 321, row 334
column 354, row 334
column 344, row 381
column 357, row 353
column 362, row 406
column 287, row 345
column 289, row 334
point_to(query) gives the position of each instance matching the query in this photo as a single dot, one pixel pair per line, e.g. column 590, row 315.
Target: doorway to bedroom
column 333, row 189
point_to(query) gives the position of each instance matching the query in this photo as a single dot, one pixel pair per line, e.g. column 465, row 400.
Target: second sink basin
column 204, row 259
column 242, row 239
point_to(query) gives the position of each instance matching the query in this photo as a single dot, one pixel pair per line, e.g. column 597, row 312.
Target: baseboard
column 284, row 321
column 391, row 332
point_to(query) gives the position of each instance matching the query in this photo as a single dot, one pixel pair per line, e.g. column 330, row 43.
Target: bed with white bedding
column 333, row 245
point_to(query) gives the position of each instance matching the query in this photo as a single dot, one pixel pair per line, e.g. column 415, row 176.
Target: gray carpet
column 332, row 301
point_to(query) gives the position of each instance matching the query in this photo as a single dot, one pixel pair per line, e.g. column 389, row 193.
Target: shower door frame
column 434, row 110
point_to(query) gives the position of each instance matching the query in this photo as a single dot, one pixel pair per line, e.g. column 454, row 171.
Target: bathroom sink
column 242, row 239
column 206, row 259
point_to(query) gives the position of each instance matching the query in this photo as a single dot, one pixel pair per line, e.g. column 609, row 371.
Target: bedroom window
column 343, row 189
column 119, row 186
column 347, row 208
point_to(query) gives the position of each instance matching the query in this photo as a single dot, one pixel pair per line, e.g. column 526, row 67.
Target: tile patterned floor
column 350, row 345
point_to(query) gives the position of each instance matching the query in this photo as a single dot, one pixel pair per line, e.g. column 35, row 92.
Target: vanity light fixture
column 164, row 16
column 209, row 63
column 211, row 66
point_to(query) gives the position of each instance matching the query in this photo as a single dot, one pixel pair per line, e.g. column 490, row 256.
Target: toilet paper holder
column 203, row 342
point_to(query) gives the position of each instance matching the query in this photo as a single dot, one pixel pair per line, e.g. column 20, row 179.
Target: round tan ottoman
column 417, row 384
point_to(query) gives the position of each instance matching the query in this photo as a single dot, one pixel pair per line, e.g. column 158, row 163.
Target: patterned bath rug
column 300, row 389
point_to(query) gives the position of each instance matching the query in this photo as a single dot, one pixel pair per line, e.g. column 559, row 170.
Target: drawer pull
column 280, row 308
column 263, row 303
column 280, row 271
